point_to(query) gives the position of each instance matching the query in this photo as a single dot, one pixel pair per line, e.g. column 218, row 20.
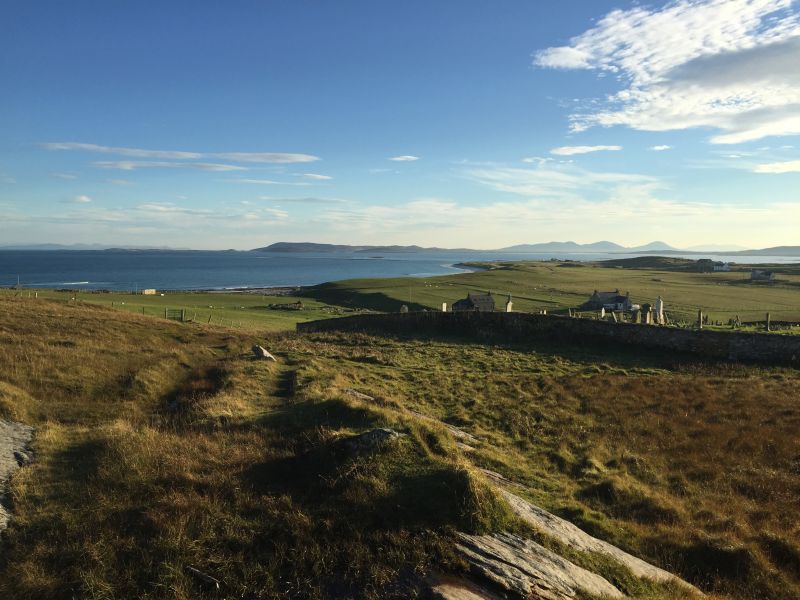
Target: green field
column 227, row 309
column 557, row 286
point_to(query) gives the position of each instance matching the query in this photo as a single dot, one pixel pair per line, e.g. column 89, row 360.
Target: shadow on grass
column 331, row 293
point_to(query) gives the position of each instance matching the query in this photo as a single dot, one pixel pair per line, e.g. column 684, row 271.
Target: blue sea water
column 187, row 270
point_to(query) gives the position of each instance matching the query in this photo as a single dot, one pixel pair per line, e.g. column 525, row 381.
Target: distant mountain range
column 604, row 247
column 555, row 247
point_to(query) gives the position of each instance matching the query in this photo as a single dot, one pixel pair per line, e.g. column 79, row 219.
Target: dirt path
column 14, row 452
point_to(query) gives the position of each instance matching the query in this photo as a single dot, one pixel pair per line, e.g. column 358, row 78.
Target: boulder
column 261, row 353
column 372, row 440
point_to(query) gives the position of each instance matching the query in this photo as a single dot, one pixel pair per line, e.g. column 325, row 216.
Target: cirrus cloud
column 251, row 157
column 571, row 150
column 404, row 158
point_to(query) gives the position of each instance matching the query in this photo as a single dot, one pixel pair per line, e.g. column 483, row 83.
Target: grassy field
column 557, row 286
column 162, row 446
column 233, row 310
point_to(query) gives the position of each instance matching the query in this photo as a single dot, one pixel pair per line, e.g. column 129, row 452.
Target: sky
column 455, row 123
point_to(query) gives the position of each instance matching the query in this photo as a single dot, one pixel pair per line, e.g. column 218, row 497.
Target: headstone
column 603, row 313
column 509, row 304
column 614, row 316
column 647, row 314
column 404, row 309
column 700, row 318
column 659, row 311
column 444, row 306
column 768, row 321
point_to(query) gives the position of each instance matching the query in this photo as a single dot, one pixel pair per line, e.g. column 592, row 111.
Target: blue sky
column 464, row 123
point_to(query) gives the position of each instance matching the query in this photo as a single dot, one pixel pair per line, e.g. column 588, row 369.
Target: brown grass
column 161, row 446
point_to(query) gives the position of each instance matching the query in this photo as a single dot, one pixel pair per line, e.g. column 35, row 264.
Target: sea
column 127, row 270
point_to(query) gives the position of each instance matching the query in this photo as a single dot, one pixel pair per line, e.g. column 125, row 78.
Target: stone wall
column 520, row 327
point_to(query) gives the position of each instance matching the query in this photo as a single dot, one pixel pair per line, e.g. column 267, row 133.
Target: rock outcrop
column 14, row 453
column 528, row 569
column 570, row 535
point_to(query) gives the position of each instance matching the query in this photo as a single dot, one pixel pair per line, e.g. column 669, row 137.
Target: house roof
column 609, row 297
column 476, row 301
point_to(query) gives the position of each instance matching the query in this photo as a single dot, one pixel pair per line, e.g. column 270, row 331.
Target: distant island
column 562, row 247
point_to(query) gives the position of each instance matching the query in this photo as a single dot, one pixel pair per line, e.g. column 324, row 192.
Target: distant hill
column 774, row 251
column 566, row 247
column 313, row 247
column 309, row 247
column 652, row 247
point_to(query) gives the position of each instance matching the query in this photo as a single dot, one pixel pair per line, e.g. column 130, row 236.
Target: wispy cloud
column 119, row 181
column 82, row 199
column 791, row 166
column 253, row 157
column 734, row 69
column 64, row 176
column 660, row 148
column 268, row 182
column 132, row 165
column 303, row 200
column 556, row 181
column 315, row 176
column 571, row 150
column 404, row 158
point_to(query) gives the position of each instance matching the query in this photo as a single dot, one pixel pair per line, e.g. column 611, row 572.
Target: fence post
column 183, row 315
column 700, row 318
column 768, row 321
column 165, row 313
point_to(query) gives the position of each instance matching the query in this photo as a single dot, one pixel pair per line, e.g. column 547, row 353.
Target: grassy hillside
column 162, row 447
column 556, row 286
column 234, row 310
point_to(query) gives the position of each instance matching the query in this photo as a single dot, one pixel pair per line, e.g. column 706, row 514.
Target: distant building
column 608, row 300
column 149, row 292
column 722, row 266
column 475, row 302
column 761, row 275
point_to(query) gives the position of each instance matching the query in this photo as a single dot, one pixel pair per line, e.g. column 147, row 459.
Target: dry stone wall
column 520, row 327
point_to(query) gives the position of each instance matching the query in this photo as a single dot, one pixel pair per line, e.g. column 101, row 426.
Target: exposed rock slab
column 442, row 587
column 570, row 535
column 14, row 452
column 528, row 569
